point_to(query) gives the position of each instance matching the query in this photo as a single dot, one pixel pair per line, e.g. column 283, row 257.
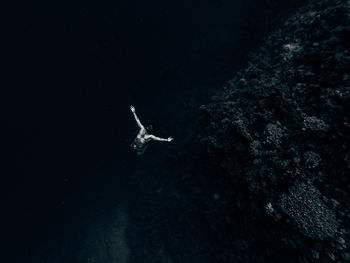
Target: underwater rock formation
column 277, row 184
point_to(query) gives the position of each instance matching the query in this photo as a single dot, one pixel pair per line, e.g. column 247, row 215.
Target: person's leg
column 142, row 151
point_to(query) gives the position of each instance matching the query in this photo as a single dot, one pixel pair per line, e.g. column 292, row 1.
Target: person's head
column 150, row 127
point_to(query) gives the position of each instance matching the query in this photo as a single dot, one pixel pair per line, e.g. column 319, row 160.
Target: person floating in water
column 143, row 138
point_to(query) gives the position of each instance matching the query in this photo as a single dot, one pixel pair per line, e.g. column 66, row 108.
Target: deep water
column 72, row 190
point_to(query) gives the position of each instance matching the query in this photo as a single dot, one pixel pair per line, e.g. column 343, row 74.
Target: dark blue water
column 73, row 69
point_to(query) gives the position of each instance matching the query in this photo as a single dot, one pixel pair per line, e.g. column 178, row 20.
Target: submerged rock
column 303, row 204
column 277, row 143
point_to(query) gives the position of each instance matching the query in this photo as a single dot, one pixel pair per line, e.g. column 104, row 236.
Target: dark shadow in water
column 73, row 179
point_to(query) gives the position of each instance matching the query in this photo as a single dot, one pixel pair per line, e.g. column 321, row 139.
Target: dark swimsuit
column 140, row 147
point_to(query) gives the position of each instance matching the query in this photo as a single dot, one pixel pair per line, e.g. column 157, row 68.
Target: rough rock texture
column 274, row 186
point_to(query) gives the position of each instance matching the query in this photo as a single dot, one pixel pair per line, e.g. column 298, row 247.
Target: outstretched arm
column 132, row 108
column 161, row 139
